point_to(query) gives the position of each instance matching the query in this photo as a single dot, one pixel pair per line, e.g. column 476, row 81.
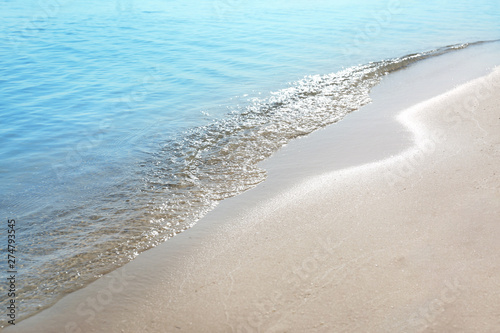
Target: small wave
column 213, row 162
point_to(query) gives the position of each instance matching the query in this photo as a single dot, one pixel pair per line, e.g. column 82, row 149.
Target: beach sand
column 407, row 243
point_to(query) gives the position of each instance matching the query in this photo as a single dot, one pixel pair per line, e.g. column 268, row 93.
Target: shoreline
column 118, row 293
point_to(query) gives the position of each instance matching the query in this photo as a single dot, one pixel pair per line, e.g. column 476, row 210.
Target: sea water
column 123, row 122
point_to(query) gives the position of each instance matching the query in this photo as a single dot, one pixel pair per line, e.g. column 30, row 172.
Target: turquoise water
column 123, row 122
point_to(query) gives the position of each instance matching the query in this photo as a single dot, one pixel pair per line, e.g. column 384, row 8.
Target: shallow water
column 125, row 122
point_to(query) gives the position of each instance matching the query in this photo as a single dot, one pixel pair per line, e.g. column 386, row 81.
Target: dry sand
column 406, row 244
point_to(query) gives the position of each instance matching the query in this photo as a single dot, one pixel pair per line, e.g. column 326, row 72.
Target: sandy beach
column 406, row 243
